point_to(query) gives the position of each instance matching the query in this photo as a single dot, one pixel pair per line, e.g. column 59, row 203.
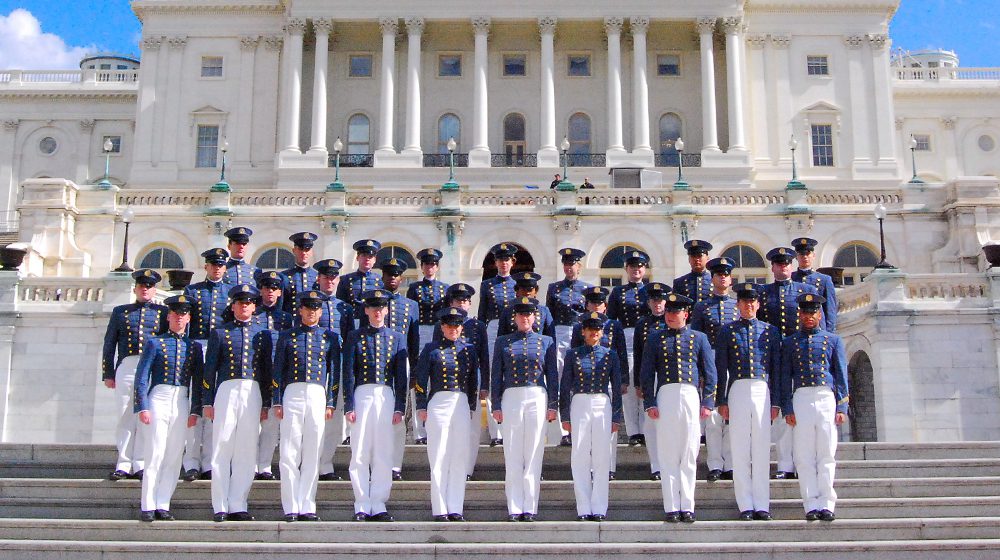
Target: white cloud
column 24, row 46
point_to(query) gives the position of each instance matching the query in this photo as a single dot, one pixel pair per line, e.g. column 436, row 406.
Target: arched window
column 857, row 259
column 863, row 424
column 579, row 134
column 162, row 259
column 358, row 135
column 524, row 262
column 514, row 143
column 750, row 264
column 670, row 131
column 449, row 126
column 613, row 265
column 276, row 258
column 401, row 254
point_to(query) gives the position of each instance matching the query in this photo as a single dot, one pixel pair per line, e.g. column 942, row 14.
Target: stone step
column 843, row 530
column 971, row 549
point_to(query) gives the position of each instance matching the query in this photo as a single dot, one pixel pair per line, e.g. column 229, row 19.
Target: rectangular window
column 211, row 67
column 116, row 144
column 818, row 65
column 105, row 67
column 208, row 146
column 515, row 65
column 668, row 65
column 450, row 65
column 822, row 145
column 578, row 65
column 360, row 66
column 923, row 142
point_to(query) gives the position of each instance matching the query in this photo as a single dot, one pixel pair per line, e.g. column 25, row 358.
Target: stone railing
column 893, row 291
column 942, row 74
column 854, row 298
column 946, row 287
column 637, row 197
column 281, row 199
column 395, row 198
column 61, row 290
column 861, row 197
column 20, row 78
column 737, row 199
column 164, row 198
column 523, row 198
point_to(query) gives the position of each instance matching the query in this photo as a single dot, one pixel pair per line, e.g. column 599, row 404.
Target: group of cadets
column 212, row 381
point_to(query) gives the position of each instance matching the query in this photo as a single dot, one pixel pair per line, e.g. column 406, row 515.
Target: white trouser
column 750, row 443
column 717, row 443
column 491, row 342
column 198, row 439
column 631, row 404
column 652, row 442
column 169, row 407
column 477, row 423
column 815, row 446
column 448, row 423
column 781, row 435
column 524, row 411
column 399, row 430
column 677, row 434
column 302, row 422
column 554, row 431
column 613, row 450
column 332, row 437
column 267, row 442
column 372, row 447
column 234, row 435
column 426, row 333
column 590, row 418
column 129, row 439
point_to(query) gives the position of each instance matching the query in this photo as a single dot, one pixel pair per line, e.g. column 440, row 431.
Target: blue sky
column 66, row 28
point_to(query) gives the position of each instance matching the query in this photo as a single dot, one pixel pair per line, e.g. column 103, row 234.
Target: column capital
column 249, row 42
column 11, row 124
column 414, row 25
column 757, row 41
column 322, row 26
column 638, row 24
column 87, row 125
column 948, row 122
column 481, row 25
column 273, row 42
column 732, row 25
column 389, row 25
column 613, row 25
column 781, row 41
column 295, row 26
column 177, row 43
column 878, row 41
column 705, row 25
column 854, row 42
column 899, row 123
column 152, row 43
column 547, row 25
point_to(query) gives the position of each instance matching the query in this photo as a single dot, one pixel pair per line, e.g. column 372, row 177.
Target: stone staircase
column 908, row 501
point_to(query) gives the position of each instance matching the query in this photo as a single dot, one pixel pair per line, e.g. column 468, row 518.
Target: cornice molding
column 142, row 8
column 877, row 7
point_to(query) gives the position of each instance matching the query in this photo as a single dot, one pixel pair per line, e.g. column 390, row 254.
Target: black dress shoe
column 263, row 476
column 220, row 516
column 147, row 516
column 206, row 475
column 347, row 441
column 672, row 517
column 598, row 517
column 118, row 475
column 468, row 477
column 137, row 475
column 241, row 516
column 611, row 475
column 291, row 517
column 361, row 516
column 812, row 515
column 529, row 517
column 634, row 440
column 420, row 441
column 642, row 440
column 495, row 442
column 190, row 475
column 746, row 515
column 655, row 476
column 440, row 518
column 583, row 517
column 566, row 441
column 164, row 515
column 785, row 475
column 397, row 475
column 826, row 515
column 456, row 517
column 383, row 517
column 762, row 516
column 513, row 517
column 687, row 516
column 327, row 477
column 726, row 475
column 309, row 517
column 714, row 475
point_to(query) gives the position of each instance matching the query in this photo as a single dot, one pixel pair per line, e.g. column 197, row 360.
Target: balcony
column 35, row 79
column 670, row 160
column 441, row 160
column 352, row 160
column 946, row 74
column 514, row 160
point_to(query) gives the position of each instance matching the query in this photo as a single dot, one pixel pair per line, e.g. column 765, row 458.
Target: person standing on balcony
column 697, row 284
column 805, row 254
column 353, row 284
column 271, row 317
column 300, row 278
column 627, row 304
column 130, row 327
column 556, row 181
column 238, row 271
column 586, row 183
column 429, row 294
column 495, row 294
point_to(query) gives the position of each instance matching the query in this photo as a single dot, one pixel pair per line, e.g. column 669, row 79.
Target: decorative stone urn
column 11, row 258
column 179, row 279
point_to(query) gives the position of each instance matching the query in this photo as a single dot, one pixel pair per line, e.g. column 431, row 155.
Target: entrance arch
column 524, row 262
column 861, row 380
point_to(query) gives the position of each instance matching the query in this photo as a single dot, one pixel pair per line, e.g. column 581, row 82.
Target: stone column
column 548, row 153
column 85, row 145
column 858, row 95
column 710, row 127
column 640, row 87
column 414, row 31
column 613, row 29
column 173, row 127
column 884, row 109
column 387, row 94
column 295, row 28
column 244, row 118
column 762, row 115
column 782, row 88
column 479, row 155
column 734, row 63
column 8, row 153
column 322, row 27
column 147, row 128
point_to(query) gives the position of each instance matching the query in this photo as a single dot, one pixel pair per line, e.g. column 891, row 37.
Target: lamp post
column 451, row 185
column 105, row 183
column 880, row 213
column 222, row 185
column 336, row 185
column 565, row 185
column 913, row 161
column 127, row 216
column 794, row 184
column 681, row 184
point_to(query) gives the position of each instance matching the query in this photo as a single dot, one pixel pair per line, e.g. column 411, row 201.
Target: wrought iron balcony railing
column 441, row 160
column 353, row 160
column 514, row 160
column 670, row 160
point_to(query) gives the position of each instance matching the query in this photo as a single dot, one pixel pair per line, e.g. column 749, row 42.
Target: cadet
column 590, row 397
column 305, row 380
column 428, row 293
column 526, row 383
column 338, row 316
column 130, row 327
column 709, row 315
column 777, row 307
column 748, row 361
column 805, row 254
column 696, row 284
column 447, row 381
column 657, row 293
column 627, row 304
column 565, row 300
column 209, row 299
column 474, row 333
column 165, row 380
column 494, row 295
column 677, row 361
column 271, row 317
column 237, row 383
column 239, row 271
column 526, row 286
column 375, row 384
column 814, row 397
column 301, row 277
column 356, row 283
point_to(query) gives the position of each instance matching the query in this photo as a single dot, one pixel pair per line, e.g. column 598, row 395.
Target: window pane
column 211, row 66
column 172, row 260
column 278, row 258
column 116, row 144
column 361, row 66
column 855, row 255
column 450, row 65
column 358, row 129
column 818, row 66
column 449, row 126
column 923, row 142
column 822, row 145
column 670, row 131
column 579, row 134
column 513, row 128
column 162, row 258
column 668, row 65
column 208, row 146
column 514, row 65
column 152, row 259
column 398, row 253
column 615, row 257
column 579, row 65
column 745, row 256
